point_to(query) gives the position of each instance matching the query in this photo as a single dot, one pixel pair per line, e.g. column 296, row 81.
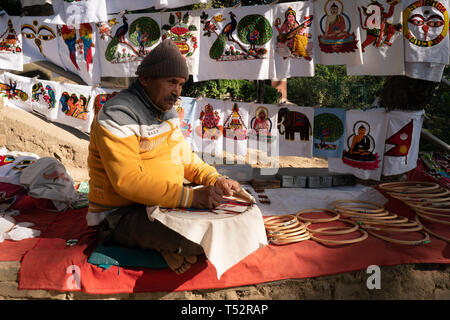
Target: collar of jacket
column 139, row 91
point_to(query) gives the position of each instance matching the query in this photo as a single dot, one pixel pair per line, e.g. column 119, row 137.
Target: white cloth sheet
column 76, row 12
column 74, row 108
column 365, row 141
column 45, row 97
column 402, row 141
column 381, row 38
column 183, row 27
column 11, row 45
column 40, row 41
column 292, row 41
column 236, row 43
column 16, row 90
column 337, row 36
column 292, row 200
column 124, row 41
column 427, row 44
column 225, row 238
column 208, row 128
column 235, row 128
column 78, row 51
column 295, row 131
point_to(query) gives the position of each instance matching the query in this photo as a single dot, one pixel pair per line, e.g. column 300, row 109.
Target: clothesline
column 249, row 42
column 364, row 143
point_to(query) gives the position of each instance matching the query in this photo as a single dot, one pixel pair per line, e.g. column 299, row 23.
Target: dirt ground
column 23, row 131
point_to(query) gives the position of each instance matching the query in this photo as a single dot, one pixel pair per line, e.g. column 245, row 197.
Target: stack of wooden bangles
column 315, row 233
column 285, row 229
column 429, row 200
column 375, row 219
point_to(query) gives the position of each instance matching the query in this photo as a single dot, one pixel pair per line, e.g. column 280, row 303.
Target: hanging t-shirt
column 337, row 36
column 74, row 106
column 293, row 40
column 364, row 145
column 40, row 41
column 159, row 4
column 16, row 91
column 78, row 51
column 329, row 132
column 295, row 131
column 235, row 128
column 183, row 27
column 235, row 43
column 402, row 141
column 124, row 41
column 208, row 128
column 45, row 96
column 116, row 6
column 263, row 132
column 72, row 12
column 185, row 107
column 380, row 27
column 425, row 29
column 11, row 49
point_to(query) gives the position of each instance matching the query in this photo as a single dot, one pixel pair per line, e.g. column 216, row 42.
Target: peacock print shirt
column 137, row 154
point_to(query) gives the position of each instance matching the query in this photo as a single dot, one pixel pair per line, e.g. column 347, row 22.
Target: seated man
column 138, row 157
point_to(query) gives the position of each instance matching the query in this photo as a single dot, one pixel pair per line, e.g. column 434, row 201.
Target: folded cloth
column 225, row 238
column 47, row 178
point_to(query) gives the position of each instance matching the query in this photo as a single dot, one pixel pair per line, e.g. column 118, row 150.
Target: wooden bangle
column 288, row 235
column 423, row 186
column 378, row 207
column 293, row 228
column 390, row 229
column 402, row 196
column 355, row 214
column 282, row 242
column 433, row 202
column 425, row 211
column 425, row 240
column 398, row 221
column 317, row 210
column 426, row 217
column 361, row 209
column 283, row 219
column 431, row 232
column 329, row 241
column 337, row 229
column 282, row 226
column 434, row 208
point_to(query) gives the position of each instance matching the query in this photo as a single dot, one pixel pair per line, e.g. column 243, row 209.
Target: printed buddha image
column 293, row 37
column 360, row 146
column 335, row 26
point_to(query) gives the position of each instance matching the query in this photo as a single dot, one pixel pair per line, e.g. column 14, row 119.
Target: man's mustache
column 172, row 98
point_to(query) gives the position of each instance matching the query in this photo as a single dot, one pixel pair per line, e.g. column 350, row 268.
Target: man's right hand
column 207, row 197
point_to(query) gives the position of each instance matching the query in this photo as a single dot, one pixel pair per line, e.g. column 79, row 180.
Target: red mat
column 50, row 265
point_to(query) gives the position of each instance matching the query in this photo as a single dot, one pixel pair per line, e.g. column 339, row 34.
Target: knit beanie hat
column 165, row 60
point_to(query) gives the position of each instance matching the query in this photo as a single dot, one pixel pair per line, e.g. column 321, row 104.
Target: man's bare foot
column 177, row 263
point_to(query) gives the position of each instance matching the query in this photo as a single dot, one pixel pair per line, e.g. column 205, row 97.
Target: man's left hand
column 228, row 186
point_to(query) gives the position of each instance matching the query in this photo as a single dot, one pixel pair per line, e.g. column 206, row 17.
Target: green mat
column 106, row 256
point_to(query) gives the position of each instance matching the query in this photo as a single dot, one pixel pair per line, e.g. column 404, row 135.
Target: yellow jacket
column 137, row 154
